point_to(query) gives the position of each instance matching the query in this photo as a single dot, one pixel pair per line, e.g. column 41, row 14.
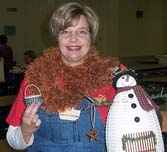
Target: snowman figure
column 132, row 123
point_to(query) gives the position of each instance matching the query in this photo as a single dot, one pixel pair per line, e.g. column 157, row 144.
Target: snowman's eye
column 123, row 77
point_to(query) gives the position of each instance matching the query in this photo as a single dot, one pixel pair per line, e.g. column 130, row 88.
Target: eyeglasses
column 82, row 34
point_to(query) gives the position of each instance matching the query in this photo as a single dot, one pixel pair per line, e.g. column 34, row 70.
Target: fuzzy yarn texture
column 63, row 86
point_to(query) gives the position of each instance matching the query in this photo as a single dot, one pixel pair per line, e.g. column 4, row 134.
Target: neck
column 72, row 64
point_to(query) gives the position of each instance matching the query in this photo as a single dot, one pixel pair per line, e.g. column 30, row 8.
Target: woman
column 68, row 77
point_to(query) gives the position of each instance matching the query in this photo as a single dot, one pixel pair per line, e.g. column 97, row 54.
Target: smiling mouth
column 139, row 142
column 74, row 48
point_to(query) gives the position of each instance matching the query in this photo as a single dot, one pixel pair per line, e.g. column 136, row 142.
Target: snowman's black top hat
column 118, row 73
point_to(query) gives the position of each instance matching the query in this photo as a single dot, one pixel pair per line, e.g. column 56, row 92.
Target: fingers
column 30, row 124
column 30, row 120
column 34, row 119
column 38, row 123
column 32, row 109
column 30, row 117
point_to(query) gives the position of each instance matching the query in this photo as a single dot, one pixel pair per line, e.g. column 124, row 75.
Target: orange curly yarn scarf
column 63, row 86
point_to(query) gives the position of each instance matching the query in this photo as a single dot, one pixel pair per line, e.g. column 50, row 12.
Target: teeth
column 74, row 48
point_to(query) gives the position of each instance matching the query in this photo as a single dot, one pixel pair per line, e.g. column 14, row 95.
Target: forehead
column 80, row 22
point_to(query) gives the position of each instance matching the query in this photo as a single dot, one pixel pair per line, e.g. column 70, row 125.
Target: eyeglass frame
column 81, row 34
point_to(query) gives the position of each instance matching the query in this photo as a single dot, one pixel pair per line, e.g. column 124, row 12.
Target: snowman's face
column 126, row 81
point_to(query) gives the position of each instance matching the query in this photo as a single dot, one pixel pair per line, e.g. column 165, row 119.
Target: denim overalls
column 56, row 135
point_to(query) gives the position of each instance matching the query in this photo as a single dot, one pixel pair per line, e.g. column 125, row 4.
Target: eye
column 65, row 32
column 83, row 33
column 123, row 77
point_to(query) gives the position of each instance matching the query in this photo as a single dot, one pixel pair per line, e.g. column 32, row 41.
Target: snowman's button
column 130, row 95
column 133, row 105
column 137, row 119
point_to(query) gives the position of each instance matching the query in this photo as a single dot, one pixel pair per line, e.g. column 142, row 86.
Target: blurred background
column 134, row 30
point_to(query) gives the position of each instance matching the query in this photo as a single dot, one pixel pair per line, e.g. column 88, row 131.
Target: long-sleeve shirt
column 14, row 134
column 15, row 138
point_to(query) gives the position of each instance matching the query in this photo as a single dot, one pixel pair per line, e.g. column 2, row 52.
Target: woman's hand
column 30, row 121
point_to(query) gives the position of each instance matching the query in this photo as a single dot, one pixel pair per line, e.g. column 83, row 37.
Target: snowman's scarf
column 144, row 99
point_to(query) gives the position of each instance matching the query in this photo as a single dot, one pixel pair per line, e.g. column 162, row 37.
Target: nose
column 73, row 37
column 127, row 78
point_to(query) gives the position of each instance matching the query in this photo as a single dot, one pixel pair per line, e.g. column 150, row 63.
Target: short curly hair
column 64, row 15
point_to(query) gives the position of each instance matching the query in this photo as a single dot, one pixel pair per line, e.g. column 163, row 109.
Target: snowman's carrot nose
column 127, row 78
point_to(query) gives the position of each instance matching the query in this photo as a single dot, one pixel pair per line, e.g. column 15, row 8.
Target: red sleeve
column 15, row 115
column 107, row 93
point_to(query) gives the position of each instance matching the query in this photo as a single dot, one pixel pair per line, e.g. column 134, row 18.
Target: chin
column 76, row 58
column 76, row 61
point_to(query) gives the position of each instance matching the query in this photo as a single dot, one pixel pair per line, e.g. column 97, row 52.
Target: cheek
column 61, row 43
column 88, row 41
column 87, row 44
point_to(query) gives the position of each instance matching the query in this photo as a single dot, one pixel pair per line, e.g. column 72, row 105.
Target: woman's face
column 74, row 42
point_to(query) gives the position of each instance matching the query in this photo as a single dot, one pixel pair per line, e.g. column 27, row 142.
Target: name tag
column 71, row 114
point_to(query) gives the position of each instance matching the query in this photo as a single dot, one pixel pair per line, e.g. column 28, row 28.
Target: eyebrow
column 85, row 28
column 82, row 27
